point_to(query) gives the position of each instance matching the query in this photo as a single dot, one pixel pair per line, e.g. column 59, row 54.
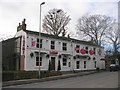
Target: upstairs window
column 64, row 46
column 94, row 50
column 77, row 48
column 37, row 45
column 86, row 48
column 52, row 44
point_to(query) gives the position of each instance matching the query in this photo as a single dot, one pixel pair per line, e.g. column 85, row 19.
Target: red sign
column 83, row 51
column 33, row 43
column 53, row 52
column 77, row 49
column 23, row 45
column 91, row 52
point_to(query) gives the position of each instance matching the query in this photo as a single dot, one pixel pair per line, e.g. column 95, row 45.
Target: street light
column 39, row 35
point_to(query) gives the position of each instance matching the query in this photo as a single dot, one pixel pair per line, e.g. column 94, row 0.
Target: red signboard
column 53, row 52
column 77, row 49
column 91, row 52
column 23, row 46
column 83, row 51
column 33, row 43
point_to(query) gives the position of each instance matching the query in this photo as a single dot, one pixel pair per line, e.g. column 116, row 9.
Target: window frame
column 86, row 48
column 94, row 49
column 77, row 65
column 52, row 46
column 85, row 66
column 37, row 61
column 64, row 46
column 37, row 44
column 77, row 46
column 95, row 64
column 64, row 63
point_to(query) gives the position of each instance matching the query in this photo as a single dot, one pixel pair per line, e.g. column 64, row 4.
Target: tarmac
column 63, row 76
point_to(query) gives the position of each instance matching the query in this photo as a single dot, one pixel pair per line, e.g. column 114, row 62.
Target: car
column 114, row 67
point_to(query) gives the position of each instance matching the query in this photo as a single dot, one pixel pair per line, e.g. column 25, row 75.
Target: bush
column 98, row 69
column 6, row 76
column 18, row 75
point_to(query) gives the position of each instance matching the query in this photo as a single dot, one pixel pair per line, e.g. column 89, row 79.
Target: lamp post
column 72, row 48
column 40, row 35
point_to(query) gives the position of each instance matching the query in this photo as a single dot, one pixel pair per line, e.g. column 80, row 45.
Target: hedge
column 18, row 75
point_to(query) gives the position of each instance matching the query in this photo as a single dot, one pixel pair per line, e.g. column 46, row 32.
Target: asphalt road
column 97, row 80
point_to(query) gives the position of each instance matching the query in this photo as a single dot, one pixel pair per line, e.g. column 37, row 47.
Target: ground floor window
column 69, row 64
column 37, row 61
column 84, row 64
column 95, row 64
column 77, row 64
column 64, row 61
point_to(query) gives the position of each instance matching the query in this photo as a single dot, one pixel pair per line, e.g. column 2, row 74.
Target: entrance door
column 52, row 63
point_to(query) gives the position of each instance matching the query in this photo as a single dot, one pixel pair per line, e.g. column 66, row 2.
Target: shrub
column 18, row 75
column 98, row 69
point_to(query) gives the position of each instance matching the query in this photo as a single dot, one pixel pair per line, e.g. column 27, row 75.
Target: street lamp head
column 42, row 3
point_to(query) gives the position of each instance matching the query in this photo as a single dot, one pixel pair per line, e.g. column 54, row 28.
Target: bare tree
column 55, row 22
column 94, row 27
column 113, row 37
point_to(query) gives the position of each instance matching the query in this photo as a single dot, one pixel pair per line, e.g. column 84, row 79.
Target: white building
column 73, row 54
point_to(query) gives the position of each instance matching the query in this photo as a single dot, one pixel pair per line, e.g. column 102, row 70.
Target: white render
column 30, row 62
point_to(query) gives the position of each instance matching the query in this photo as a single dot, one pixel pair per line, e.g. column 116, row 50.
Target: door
column 52, row 63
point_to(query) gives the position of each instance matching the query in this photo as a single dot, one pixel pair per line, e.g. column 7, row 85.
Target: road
column 97, row 80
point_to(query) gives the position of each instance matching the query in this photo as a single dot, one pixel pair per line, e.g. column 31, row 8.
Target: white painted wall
column 30, row 63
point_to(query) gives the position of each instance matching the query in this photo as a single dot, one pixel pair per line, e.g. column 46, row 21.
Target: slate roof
column 61, row 38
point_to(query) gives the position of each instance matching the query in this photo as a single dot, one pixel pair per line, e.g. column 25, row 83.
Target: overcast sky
column 13, row 11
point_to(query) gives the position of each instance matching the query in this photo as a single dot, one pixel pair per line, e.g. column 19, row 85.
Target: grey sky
column 13, row 11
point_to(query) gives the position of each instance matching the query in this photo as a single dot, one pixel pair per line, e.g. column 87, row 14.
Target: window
column 64, row 61
column 64, row 46
column 52, row 44
column 94, row 50
column 37, row 61
column 38, row 43
column 84, row 64
column 77, row 64
column 86, row 50
column 69, row 64
column 95, row 64
column 77, row 47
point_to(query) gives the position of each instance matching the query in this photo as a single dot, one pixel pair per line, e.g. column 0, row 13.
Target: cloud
column 105, row 8
column 13, row 11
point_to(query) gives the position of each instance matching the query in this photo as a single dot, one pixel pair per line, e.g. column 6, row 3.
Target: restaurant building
column 70, row 54
column 56, row 51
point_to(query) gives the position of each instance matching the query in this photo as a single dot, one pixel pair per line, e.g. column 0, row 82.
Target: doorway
column 53, row 63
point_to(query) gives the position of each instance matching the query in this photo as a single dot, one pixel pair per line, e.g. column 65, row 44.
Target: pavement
column 28, row 81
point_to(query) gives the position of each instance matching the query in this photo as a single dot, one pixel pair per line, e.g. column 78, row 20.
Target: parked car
column 114, row 67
